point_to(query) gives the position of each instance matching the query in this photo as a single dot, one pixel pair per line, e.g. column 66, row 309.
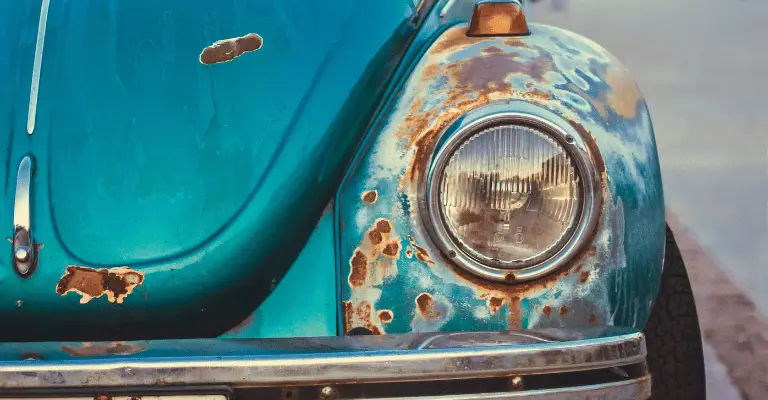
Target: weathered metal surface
column 613, row 281
column 206, row 178
column 301, row 361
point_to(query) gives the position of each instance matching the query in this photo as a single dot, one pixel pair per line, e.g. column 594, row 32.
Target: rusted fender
column 395, row 280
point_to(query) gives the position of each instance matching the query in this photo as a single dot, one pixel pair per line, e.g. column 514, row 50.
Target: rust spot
column 383, row 226
column 103, row 397
column 362, row 318
column 358, row 269
column 577, row 269
column 494, row 304
column 563, row 310
column 584, row 277
column 375, row 237
column 547, row 310
column 347, row 311
column 31, row 357
column 392, row 249
column 409, row 253
column 426, row 306
column 229, row 49
column 98, row 349
column 370, row 197
column 386, row 316
column 117, row 283
column 592, row 319
column 509, row 277
column 592, row 251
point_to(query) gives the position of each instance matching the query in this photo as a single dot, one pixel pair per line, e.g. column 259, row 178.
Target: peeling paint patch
column 369, row 197
column 96, row 349
column 229, row 49
column 117, row 283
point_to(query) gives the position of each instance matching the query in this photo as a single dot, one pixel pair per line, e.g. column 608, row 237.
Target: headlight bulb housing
column 510, row 196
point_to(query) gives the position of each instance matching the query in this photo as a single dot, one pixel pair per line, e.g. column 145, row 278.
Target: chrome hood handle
column 24, row 255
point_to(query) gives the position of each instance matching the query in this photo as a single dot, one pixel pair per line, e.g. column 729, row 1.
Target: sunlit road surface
column 703, row 66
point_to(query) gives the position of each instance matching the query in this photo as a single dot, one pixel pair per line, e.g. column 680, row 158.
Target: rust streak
column 229, row 49
column 96, row 349
column 563, row 310
column 117, row 283
column 547, row 310
column 592, row 318
column 584, row 277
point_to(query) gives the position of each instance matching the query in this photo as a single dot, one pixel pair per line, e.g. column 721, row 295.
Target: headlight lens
column 509, row 196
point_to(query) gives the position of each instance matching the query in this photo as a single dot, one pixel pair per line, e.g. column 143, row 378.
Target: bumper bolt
column 516, row 383
column 329, row 393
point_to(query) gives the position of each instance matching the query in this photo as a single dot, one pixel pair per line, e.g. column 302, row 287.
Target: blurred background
column 703, row 67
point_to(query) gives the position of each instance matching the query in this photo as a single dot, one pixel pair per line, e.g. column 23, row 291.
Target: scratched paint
column 89, row 283
column 614, row 278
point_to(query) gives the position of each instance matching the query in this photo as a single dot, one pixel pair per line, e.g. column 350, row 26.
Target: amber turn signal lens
column 498, row 18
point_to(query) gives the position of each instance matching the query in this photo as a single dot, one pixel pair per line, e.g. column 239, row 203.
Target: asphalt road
column 703, row 66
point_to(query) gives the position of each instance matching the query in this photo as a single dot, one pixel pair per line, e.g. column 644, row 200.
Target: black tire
column 675, row 353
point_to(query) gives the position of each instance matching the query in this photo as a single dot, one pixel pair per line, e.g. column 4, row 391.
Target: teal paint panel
column 201, row 177
column 304, row 303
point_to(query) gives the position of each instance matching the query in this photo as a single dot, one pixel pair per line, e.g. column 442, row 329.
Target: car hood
column 158, row 151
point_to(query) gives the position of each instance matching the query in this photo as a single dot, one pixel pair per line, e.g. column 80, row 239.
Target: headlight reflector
column 510, row 196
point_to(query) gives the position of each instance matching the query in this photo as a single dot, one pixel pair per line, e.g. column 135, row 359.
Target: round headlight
column 507, row 195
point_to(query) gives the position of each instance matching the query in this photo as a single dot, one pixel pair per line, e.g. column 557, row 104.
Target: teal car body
column 241, row 194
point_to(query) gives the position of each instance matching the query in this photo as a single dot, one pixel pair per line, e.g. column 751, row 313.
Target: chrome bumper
column 482, row 365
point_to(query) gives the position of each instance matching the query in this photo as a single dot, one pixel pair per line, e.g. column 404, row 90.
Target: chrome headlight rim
column 543, row 121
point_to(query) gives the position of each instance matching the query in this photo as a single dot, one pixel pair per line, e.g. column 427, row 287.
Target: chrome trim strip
column 327, row 361
column 566, row 136
column 635, row 389
column 37, row 66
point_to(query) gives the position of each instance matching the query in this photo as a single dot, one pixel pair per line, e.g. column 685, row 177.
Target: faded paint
column 98, row 349
column 117, row 283
column 229, row 49
column 591, row 95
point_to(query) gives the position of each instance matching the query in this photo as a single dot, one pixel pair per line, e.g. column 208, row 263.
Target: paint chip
column 117, row 283
column 229, row 49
